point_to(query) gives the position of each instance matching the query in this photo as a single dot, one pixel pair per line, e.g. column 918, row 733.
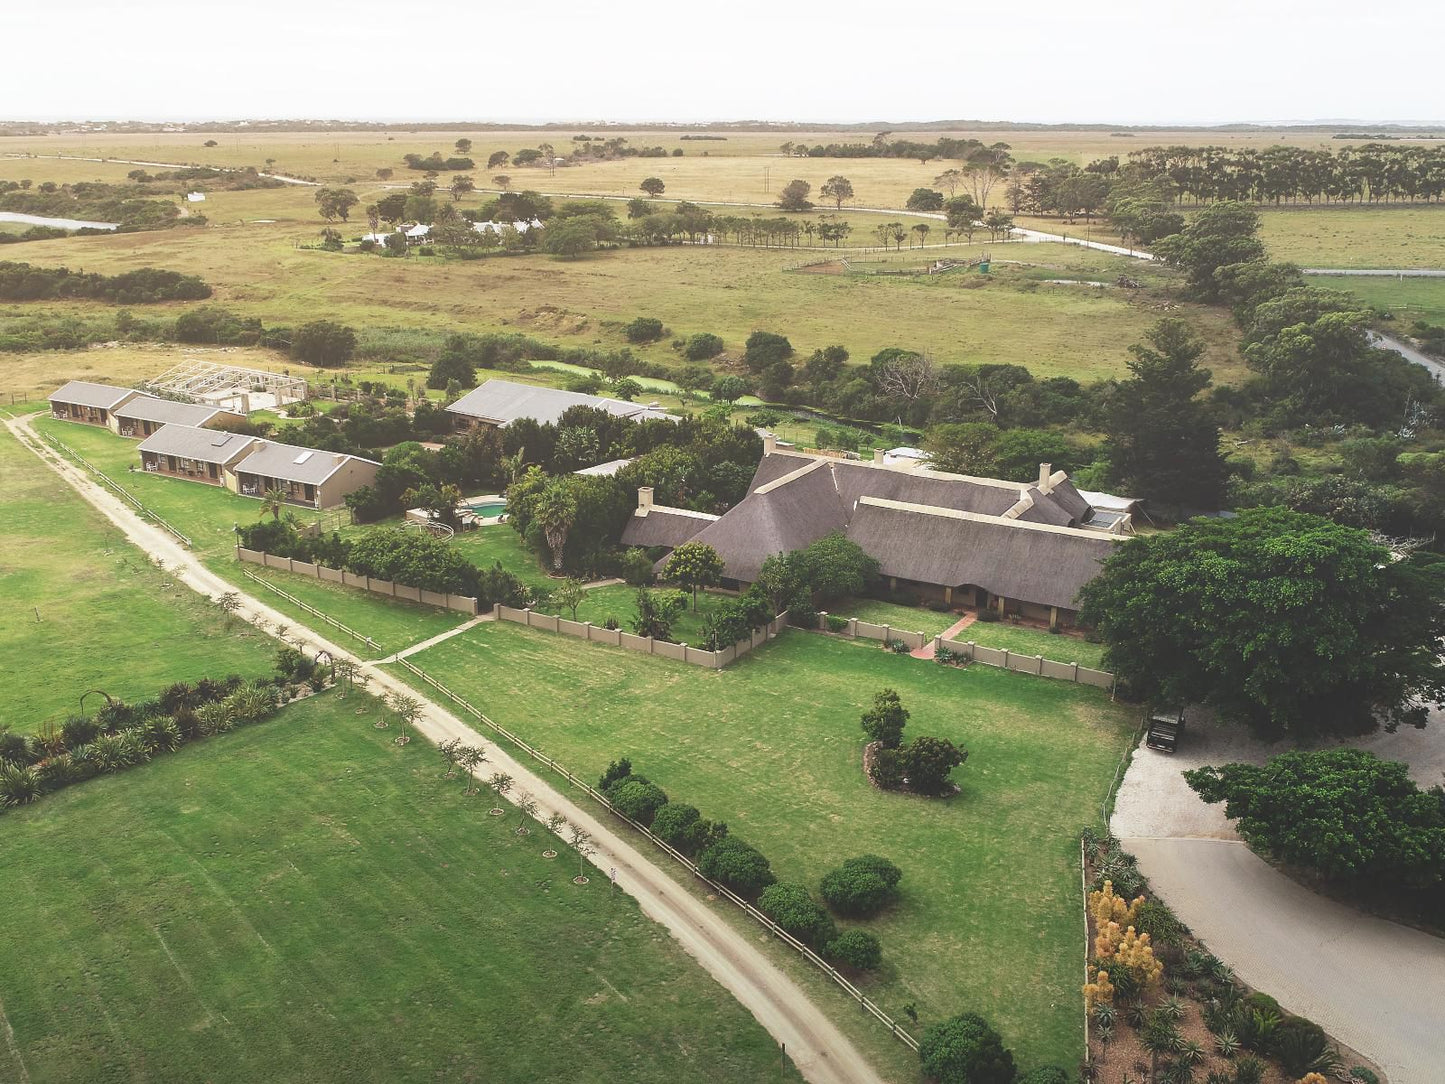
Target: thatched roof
column 1032, row 562
column 787, row 513
column 660, row 525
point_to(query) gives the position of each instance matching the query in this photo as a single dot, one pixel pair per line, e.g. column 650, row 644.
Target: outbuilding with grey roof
column 90, row 404
column 146, row 414
column 199, row 455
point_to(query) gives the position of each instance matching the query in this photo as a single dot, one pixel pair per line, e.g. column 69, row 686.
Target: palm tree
column 274, row 501
column 555, row 512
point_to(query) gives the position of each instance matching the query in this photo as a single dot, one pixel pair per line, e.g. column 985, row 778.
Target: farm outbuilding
column 87, row 403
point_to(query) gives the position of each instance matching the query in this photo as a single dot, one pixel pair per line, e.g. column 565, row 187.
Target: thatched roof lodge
column 1020, row 547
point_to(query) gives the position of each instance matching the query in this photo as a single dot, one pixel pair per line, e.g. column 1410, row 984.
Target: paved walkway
column 820, row 1051
column 1373, row 984
column 438, row 638
column 926, row 651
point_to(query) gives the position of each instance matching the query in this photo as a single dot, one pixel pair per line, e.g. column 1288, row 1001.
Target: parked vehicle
column 1166, row 725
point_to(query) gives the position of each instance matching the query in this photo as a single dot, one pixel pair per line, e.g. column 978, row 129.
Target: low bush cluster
column 743, row 868
column 145, row 285
column 121, row 735
column 922, row 765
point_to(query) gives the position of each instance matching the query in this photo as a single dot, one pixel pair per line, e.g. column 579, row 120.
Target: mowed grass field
column 83, row 609
column 988, row 917
column 303, row 901
column 1357, row 237
column 1409, row 299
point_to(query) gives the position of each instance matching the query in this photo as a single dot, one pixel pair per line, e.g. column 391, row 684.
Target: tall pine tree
column 1163, row 443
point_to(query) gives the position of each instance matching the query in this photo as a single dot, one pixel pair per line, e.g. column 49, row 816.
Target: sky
column 1114, row 61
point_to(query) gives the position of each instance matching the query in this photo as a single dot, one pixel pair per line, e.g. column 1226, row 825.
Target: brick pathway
column 926, row 651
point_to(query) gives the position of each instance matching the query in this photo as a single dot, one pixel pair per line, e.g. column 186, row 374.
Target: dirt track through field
column 820, row 1051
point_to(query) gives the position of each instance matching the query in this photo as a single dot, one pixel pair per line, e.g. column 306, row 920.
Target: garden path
column 926, row 651
column 820, row 1051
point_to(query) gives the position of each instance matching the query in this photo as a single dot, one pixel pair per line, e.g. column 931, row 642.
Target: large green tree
column 694, row 564
column 1222, row 234
column 966, row 1050
column 1344, row 813
column 1281, row 620
column 1163, row 441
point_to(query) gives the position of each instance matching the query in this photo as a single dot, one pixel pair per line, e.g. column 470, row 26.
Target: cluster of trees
column 413, row 558
column 1373, row 172
column 585, row 149
column 230, row 180
column 121, row 735
column 922, row 765
column 435, row 163
column 1280, row 620
column 128, row 205
column 1342, row 813
column 965, row 1049
column 145, row 285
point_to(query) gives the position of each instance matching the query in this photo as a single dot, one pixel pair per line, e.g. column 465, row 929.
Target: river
column 57, row 223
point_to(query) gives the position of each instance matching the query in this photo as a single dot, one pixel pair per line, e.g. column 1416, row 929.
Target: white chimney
column 878, row 457
column 770, row 444
column 1045, row 469
column 644, row 498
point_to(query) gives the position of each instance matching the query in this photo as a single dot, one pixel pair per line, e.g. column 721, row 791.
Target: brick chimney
column 1045, row 470
column 644, row 498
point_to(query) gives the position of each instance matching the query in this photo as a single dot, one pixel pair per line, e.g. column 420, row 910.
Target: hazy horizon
column 1123, row 62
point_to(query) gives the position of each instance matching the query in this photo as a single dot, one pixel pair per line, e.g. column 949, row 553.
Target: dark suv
column 1165, row 727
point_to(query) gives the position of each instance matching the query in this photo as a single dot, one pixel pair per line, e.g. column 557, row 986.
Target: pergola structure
column 230, row 385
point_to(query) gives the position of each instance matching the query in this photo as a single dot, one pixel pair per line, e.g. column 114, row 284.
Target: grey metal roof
column 148, row 408
column 203, row 445
column 84, row 393
column 292, row 463
column 503, row 402
column 604, row 470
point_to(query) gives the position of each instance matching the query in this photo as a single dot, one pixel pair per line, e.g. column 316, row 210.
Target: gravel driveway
column 1373, row 984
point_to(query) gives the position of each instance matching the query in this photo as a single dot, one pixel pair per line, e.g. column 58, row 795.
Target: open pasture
column 304, row 901
column 772, row 745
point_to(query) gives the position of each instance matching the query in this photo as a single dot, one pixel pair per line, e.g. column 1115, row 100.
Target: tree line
column 145, row 285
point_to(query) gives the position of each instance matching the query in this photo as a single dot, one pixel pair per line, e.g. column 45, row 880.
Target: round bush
column 858, row 949
column 965, row 1050
column 638, row 799
column 702, row 346
column 1046, row 1074
column 737, row 865
column 673, row 823
column 789, row 905
column 862, row 886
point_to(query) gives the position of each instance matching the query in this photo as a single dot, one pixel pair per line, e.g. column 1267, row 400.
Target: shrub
column 764, row 349
column 887, row 768
column 324, row 343
column 644, row 329
column 837, row 624
column 885, row 720
column 928, row 762
column 789, row 905
column 638, row 799
column 1303, row 1047
column 674, row 824
column 898, row 647
column 1359, row 1072
column 966, row 1050
column 18, row 785
column 736, row 864
column 78, row 730
column 702, row 346
column 861, row 887
column 13, row 750
column 857, row 949
column 1046, row 1074
column 988, row 616
column 1155, row 919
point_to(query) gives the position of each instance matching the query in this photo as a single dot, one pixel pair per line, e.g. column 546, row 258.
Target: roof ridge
column 793, row 475
column 953, row 513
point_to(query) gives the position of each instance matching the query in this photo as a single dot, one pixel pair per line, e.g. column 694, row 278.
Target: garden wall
column 585, row 630
column 987, row 656
column 461, row 603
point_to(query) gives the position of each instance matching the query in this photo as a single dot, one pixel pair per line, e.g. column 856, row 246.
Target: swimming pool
column 486, row 509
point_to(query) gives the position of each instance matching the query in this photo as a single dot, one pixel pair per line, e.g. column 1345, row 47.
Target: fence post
column 852, row 628
column 971, row 653
column 1076, row 671
column 1005, row 658
column 588, row 626
column 1041, row 665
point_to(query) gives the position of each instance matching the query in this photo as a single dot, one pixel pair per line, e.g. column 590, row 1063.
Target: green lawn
column 1408, row 236
column 1060, row 647
column 208, row 514
column 85, row 610
column 989, row 917
column 303, row 901
column 1410, row 299
column 498, row 542
column 620, row 601
column 392, row 623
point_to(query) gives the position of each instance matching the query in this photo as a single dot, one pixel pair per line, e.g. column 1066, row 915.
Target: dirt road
column 821, row 1052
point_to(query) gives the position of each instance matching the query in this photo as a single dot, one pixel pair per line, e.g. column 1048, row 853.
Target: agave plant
column 1172, row 1009
column 1248, row 1071
column 78, row 730
column 162, row 734
column 18, row 786
column 1191, row 1052
column 1104, row 1015
column 214, row 718
column 1226, row 1043
column 251, row 703
column 133, row 741
column 110, row 753
column 82, row 762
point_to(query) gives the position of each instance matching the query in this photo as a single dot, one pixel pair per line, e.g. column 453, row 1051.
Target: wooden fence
column 719, row 889
column 118, row 490
column 312, row 610
column 647, row 645
column 462, row 603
